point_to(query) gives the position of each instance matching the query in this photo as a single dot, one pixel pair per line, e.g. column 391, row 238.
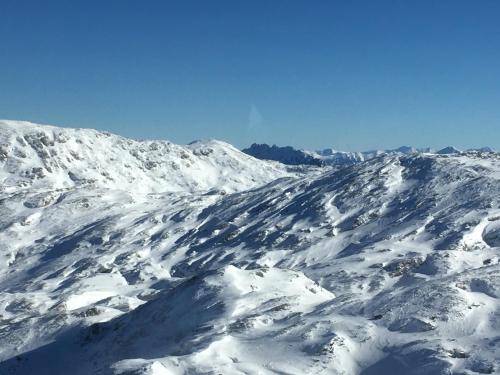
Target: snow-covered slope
column 37, row 156
column 388, row 266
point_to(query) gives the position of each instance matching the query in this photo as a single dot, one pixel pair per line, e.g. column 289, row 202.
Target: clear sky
column 346, row 74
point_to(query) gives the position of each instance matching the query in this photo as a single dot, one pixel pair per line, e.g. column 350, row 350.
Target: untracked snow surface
column 127, row 257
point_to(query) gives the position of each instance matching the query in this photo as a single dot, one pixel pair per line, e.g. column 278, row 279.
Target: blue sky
column 349, row 74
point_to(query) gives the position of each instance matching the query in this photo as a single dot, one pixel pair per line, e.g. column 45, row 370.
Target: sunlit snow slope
column 388, row 266
column 36, row 156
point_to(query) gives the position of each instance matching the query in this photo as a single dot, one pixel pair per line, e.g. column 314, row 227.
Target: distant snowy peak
column 452, row 150
column 286, row 155
column 334, row 157
column 448, row 150
column 481, row 149
column 40, row 156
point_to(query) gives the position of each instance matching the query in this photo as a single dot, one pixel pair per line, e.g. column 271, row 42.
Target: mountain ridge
column 333, row 157
column 34, row 154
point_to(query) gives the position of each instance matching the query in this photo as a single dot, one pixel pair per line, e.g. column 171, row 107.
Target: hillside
column 36, row 156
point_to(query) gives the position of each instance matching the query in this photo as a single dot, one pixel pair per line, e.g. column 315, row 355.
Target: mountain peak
column 448, row 150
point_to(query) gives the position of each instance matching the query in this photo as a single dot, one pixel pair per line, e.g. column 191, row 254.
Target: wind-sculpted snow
column 388, row 266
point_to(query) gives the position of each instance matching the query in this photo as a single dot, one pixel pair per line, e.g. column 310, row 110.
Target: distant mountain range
column 329, row 156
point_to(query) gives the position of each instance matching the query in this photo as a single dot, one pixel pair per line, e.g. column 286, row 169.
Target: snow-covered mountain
column 387, row 266
column 35, row 156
